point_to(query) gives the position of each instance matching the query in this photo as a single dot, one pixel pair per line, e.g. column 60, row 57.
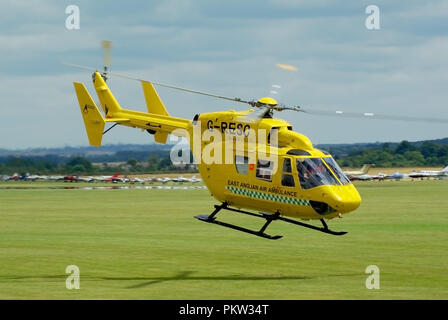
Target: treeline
column 125, row 155
column 405, row 154
column 80, row 165
column 155, row 164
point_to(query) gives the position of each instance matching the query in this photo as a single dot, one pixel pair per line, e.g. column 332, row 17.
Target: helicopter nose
column 350, row 201
column 352, row 204
column 344, row 199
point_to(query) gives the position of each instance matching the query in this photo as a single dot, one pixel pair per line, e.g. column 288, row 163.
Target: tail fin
column 93, row 120
column 153, row 101
column 365, row 168
column 155, row 106
column 445, row 169
column 107, row 99
column 116, row 174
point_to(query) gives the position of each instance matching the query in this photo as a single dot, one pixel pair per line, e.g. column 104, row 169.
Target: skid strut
column 267, row 216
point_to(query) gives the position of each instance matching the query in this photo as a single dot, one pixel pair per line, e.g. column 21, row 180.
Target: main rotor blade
column 263, row 109
column 371, row 115
column 121, row 75
column 184, row 89
column 282, row 107
column 80, row 66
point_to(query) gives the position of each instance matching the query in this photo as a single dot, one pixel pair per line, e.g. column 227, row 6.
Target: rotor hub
column 267, row 101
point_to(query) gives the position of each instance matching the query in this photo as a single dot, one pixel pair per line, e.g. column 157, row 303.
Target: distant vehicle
column 362, row 177
column 138, row 180
column 163, row 180
column 56, row 178
column 430, row 173
column 365, row 169
column 124, row 179
column 193, row 179
column 14, row 177
column 380, row 176
column 180, row 179
column 32, row 177
column 355, row 175
column 396, row 176
column 113, row 178
column 71, row 178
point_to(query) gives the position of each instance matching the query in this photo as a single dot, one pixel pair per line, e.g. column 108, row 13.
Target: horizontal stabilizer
column 118, row 120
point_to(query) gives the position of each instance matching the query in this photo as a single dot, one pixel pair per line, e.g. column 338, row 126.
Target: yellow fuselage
column 248, row 188
column 266, row 166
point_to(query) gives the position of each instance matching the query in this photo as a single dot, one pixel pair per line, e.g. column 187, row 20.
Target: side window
column 264, row 170
column 242, row 164
column 287, row 165
column 287, row 178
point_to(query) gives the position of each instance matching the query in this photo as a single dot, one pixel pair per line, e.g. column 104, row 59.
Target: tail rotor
column 106, row 45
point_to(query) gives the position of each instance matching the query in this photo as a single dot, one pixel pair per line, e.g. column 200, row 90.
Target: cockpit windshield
column 337, row 170
column 313, row 172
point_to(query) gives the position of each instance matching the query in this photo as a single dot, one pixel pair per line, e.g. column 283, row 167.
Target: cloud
column 230, row 49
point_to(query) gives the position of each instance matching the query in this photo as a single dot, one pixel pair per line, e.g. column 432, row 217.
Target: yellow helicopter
column 277, row 175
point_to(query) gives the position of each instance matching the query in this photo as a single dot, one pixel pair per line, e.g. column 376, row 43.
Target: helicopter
column 282, row 177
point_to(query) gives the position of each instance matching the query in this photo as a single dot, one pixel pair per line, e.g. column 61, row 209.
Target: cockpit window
column 298, row 152
column 313, row 172
column 337, row 170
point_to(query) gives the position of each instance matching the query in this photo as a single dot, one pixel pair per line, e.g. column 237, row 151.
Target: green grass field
column 145, row 244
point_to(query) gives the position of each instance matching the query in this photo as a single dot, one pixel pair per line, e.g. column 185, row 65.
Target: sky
column 230, row 48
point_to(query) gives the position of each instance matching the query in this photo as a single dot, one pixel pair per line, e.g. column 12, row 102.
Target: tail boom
column 157, row 121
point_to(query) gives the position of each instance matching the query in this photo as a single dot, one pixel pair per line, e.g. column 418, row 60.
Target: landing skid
column 267, row 216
